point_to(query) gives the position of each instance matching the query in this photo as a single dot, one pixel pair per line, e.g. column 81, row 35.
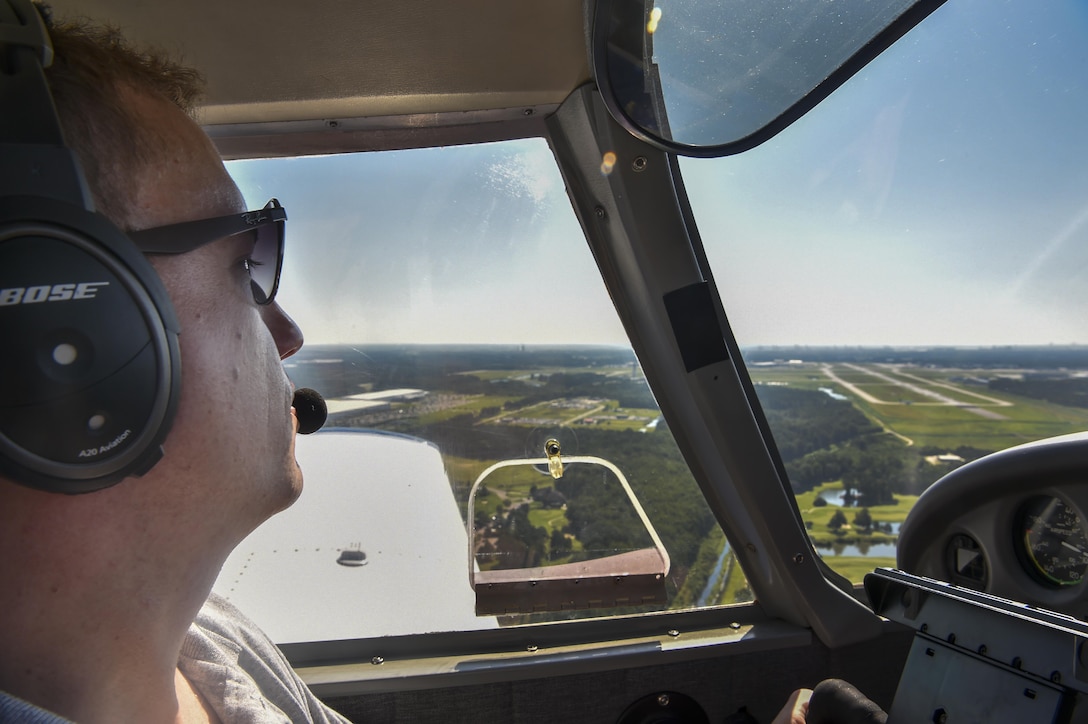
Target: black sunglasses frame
column 190, row 235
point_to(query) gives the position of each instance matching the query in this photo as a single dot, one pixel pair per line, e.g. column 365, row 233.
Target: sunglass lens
column 266, row 261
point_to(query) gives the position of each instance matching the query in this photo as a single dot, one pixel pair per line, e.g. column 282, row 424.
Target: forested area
column 599, row 517
column 1071, row 391
column 822, row 439
column 805, row 421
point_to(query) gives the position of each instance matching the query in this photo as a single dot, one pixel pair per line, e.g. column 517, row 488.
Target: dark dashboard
column 1013, row 524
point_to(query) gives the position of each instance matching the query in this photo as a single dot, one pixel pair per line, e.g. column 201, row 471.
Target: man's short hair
column 93, row 68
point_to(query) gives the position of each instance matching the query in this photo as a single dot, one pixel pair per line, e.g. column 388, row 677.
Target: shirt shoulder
column 17, row 711
column 242, row 674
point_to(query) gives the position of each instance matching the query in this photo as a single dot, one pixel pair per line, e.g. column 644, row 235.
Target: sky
column 467, row 244
column 939, row 198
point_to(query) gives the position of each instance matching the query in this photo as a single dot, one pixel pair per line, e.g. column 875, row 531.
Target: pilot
column 106, row 608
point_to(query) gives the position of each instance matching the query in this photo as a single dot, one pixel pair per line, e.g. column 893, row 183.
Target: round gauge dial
column 1054, row 542
column 966, row 562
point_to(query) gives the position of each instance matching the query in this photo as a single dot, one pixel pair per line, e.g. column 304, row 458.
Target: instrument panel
column 1013, row 524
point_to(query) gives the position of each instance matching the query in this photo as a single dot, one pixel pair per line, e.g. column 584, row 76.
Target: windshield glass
column 906, row 267
column 448, row 296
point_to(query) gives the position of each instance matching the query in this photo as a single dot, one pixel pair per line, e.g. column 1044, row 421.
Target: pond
column 834, row 497
column 880, row 550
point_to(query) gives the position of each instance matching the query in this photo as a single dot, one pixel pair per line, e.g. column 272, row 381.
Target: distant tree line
column 1072, row 391
column 1027, row 357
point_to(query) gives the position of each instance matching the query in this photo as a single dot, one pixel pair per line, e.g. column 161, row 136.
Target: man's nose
column 284, row 330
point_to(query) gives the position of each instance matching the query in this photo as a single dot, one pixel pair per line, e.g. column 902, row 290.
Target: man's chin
column 292, row 488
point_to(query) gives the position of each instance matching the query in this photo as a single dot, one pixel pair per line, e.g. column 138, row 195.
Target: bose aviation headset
column 89, row 365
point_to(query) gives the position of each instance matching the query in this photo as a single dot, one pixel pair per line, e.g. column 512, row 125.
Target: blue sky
column 469, row 244
column 940, row 197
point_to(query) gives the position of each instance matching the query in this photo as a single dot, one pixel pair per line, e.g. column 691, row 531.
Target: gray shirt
column 242, row 675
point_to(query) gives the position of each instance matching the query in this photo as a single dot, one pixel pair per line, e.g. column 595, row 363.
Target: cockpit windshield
column 447, row 295
column 906, row 267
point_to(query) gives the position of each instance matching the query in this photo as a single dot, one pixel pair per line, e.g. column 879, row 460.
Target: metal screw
column 639, row 164
column 982, row 649
column 531, row 648
column 751, row 546
column 951, row 638
column 599, row 211
column 662, row 699
column 378, row 660
column 925, row 627
column 332, row 124
column 799, row 558
column 527, row 112
column 735, row 626
column 673, row 632
column 1056, row 677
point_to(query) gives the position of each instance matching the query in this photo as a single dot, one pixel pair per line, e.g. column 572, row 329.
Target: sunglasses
column 264, row 264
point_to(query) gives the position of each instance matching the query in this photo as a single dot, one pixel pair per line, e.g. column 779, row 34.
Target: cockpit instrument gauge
column 1052, row 541
column 966, row 562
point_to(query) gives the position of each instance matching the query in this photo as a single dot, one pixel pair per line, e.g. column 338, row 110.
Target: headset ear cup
column 90, row 366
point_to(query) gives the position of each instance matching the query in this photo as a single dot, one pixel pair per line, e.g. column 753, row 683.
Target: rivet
column 378, row 660
column 639, row 164
column 799, row 558
column 673, row 632
column 662, row 699
column 599, row 211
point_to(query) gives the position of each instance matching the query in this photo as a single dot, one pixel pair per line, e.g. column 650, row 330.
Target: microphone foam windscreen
column 310, row 409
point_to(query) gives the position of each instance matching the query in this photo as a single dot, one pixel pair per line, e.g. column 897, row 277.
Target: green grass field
column 854, row 568
column 950, row 427
column 944, row 427
column 471, row 406
column 548, row 518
